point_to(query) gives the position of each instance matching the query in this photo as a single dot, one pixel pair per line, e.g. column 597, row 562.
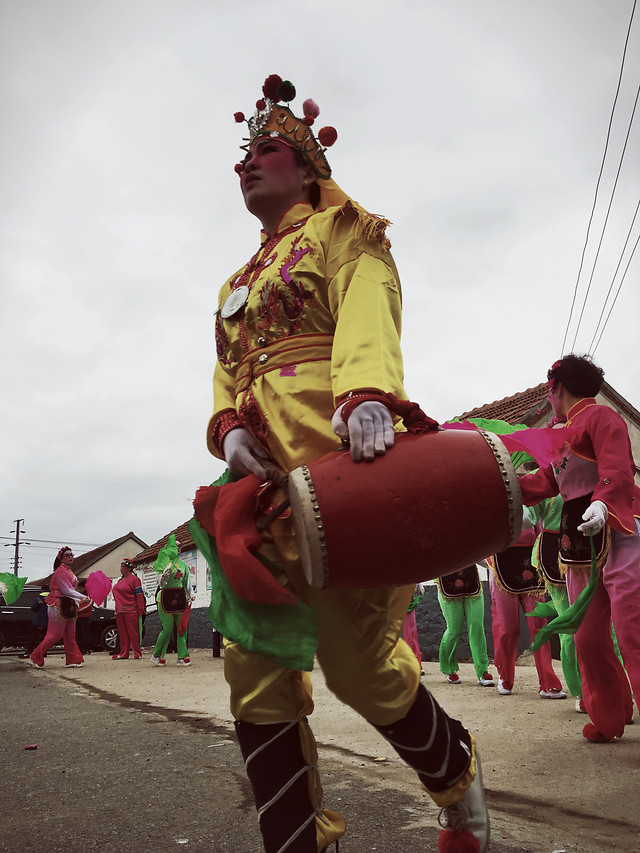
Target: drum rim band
column 511, row 484
column 313, row 552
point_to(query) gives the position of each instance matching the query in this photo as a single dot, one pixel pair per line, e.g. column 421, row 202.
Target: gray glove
column 369, row 430
column 244, row 455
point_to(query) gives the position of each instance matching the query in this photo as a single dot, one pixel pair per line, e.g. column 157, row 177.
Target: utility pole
column 17, row 531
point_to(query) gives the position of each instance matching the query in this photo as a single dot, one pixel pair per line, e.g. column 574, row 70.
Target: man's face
column 272, row 180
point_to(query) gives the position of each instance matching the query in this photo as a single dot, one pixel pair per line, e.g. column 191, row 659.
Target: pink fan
column 98, row 587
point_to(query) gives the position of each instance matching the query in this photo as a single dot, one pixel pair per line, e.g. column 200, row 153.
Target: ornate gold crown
column 272, row 118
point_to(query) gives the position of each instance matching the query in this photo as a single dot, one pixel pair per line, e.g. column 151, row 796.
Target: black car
column 15, row 623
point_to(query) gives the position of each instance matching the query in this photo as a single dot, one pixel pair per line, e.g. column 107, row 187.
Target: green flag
column 569, row 621
column 285, row 633
column 11, row 587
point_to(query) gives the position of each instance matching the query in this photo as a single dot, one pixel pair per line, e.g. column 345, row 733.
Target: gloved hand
column 527, row 522
column 244, row 454
column 369, row 430
column 595, row 517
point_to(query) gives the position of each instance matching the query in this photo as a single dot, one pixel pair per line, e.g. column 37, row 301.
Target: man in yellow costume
column 308, row 346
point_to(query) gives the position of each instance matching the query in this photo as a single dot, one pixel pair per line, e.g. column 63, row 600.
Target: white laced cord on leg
column 285, row 787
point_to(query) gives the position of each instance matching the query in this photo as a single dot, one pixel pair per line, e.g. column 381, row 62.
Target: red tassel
column 450, row 841
column 228, row 514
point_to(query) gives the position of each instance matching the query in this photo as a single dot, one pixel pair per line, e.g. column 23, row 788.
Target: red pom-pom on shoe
column 450, row 841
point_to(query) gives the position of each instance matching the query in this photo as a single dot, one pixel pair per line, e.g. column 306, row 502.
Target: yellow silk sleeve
column 224, row 398
column 364, row 298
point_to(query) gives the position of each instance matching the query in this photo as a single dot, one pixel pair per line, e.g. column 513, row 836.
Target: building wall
column 110, row 564
column 431, row 626
column 200, row 578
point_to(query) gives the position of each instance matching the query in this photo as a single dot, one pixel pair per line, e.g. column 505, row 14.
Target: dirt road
column 548, row 789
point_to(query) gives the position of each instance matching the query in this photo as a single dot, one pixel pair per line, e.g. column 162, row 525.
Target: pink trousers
column 605, row 687
column 129, row 633
column 410, row 634
column 505, row 618
column 58, row 629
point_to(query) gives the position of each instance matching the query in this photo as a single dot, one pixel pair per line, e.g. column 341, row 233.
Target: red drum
column 433, row 504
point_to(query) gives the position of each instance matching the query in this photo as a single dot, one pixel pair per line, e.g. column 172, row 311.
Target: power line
column 604, row 305
column 595, row 198
column 56, row 542
column 606, row 220
column 618, row 291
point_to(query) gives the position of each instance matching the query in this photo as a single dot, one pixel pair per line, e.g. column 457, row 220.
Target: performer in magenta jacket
column 62, row 604
column 595, row 477
column 130, row 607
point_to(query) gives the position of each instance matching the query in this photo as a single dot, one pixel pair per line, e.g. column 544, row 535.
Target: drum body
column 433, row 504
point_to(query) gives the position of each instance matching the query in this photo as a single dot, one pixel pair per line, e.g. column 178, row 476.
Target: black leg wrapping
column 436, row 746
column 277, row 771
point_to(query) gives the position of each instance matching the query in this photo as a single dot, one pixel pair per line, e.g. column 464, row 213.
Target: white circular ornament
column 234, row 302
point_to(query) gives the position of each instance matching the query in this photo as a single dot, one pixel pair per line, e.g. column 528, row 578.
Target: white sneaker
column 553, row 693
column 184, row 662
column 580, row 706
column 504, row 688
column 158, row 661
column 470, row 814
column 486, row 680
column 453, row 679
column 69, row 665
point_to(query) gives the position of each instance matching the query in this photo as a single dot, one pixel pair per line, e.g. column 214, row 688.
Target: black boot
column 277, row 771
column 437, row 747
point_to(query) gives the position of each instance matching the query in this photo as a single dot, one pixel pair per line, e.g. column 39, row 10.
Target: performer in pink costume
column 410, row 626
column 596, row 471
column 506, row 602
column 130, row 606
column 62, row 603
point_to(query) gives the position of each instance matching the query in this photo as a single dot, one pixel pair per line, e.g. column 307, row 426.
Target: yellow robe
column 322, row 318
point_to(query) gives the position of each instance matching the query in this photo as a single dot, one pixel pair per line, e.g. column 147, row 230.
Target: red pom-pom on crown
column 327, row 136
column 270, row 87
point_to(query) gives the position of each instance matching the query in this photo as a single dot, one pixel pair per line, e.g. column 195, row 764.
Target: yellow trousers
column 364, row 659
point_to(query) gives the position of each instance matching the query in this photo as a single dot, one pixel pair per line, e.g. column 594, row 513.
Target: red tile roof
column 149, row 554
column 527, row 407
column 85, row 561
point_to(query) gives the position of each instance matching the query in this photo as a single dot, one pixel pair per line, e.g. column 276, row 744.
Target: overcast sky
column 478, row 127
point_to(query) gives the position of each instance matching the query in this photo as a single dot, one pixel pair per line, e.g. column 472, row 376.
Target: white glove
column 369, row 430
column 527, row 521
column 244, row 454
column 595, row 518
